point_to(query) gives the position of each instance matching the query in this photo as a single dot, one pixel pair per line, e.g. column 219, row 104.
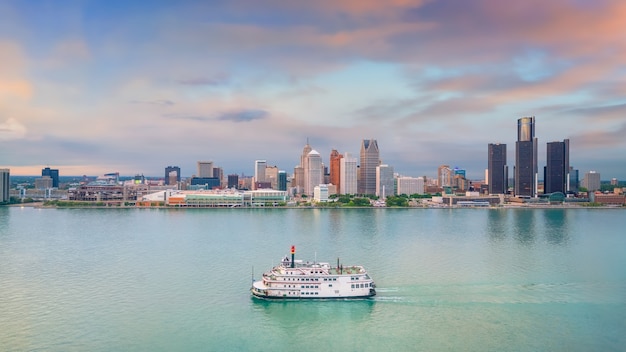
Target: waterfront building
column 205, row 169
column 347, row 175
column 320, row 193
column 271, row 176
column 282, row 180
column 172, row 175
column 218, row 173
column 44, row 182
column 591, row 181
column 53, row 174
column 314, row 172
column 497, row 171
column 385, row 183
column 444, row 176
column 370, row 159
column 204, row 183
column 410, row 185
column 335, row 169
column 233, row 181
column 573, row 180
column 526, row 158
column 4, row 185
column 298, row 179
column 228, row 198
column 259, row 170
column 556, row 172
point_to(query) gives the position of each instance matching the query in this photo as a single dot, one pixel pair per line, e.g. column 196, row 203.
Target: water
column 163, row 280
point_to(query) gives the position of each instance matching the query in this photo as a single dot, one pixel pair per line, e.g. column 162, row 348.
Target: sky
column 91, row 87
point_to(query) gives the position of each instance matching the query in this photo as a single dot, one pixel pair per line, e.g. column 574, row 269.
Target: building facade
column 444, row 176
column 370, row 159
column 497, row 170
column 348, row 175
column 205, row 169
column 591, row 181
column 526, row 158
column 314, row 172
column 53, row 174
column 172, row 175
column 259, row 170
column 4, row 185
column 410, row 185
column 556, row 172
column 385, row 183
column 335, row 169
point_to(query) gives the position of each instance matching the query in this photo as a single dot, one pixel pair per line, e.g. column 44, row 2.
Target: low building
column 610, row 198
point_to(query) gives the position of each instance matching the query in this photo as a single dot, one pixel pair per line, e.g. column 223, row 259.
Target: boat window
column 330, row 285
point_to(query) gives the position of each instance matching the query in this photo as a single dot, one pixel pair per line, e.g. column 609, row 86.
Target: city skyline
column 95, row 87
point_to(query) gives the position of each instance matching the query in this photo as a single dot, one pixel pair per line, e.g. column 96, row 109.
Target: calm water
column 163, row 280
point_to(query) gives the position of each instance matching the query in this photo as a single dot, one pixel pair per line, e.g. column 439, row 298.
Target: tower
column 205, row 169
column 259, row 170
column 498, row 173
column 384, row 181
column 556, row 172
column 4, row 185
column 370, row 158
column 172, row 173
column 53, row 174
column 526, row 158
column 335, row 169
column 347, row 175
column 314, row 172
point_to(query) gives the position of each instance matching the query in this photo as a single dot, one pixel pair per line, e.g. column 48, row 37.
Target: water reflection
column 293, row 313
column 524, row 226
column 556, row 230
column 496, row 224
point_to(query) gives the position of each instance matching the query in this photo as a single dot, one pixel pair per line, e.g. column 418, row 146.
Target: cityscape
column 314, row 182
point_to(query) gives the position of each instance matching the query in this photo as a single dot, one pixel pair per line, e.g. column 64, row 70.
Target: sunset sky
column 90, row 87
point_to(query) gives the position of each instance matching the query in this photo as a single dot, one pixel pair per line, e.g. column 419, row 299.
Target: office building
column 497, row 170
column 444, row 176
column 370, row 159
column 298, row 171
column 259, row 170
column 282, row 180
column 385, row 185
column 526, row 158
column 573, row 180
column 347, row 175
column 172, row 175
column 335, row 169
column 591, row 181
column 410, row 185
column 4, row 185
column 556, row 172
column 271, row 176
column 205, row 169
column 44, row 182
column 233, row 181
column 53, row 174
column 314, row 172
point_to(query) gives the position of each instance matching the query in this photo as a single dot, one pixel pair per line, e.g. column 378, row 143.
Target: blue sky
column 133, row 86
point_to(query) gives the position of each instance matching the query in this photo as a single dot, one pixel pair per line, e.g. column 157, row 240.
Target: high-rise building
column 205, row 169
column 233, row 181
column 556, row 172
column 573, row 180
column 282, row 180
column 526, row 158
column 384, row 181
column 370, row 159
column 335, row 169
column 4, row 185
column 271, row 176
column 53, row 174
column 314, row 173
column 348, row 175
column 444, row 176
column 172, row 173
column 259, row 170
column 298, row 171
column 591, row 181
column 497, row 171
column 410, row 185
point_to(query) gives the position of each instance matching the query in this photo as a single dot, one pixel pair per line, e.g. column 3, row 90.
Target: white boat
column 295, row 279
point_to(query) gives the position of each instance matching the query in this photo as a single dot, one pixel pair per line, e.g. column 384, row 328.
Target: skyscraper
column 556, row 172
column 314, row 172
column 205, row 169
column 498, row 172
column 4, row 185
column 282, row 180
column 53, row 174
column 298, row 171
column 348, row 175
column 526, row 158
column 384, row 181
column 370, row 158
column 444, row 176
column 335, row 167
column 591, row 181
column 168, row 174
column 259, row 170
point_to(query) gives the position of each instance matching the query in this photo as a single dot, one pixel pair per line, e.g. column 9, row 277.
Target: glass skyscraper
column 526, row 158
column 556, row 172
column 370, row 158
column 498, row 171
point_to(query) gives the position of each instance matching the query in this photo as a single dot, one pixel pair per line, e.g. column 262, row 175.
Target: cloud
column 162, row 102
column 243, row 115
column 12, row 129
column 215, row 80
